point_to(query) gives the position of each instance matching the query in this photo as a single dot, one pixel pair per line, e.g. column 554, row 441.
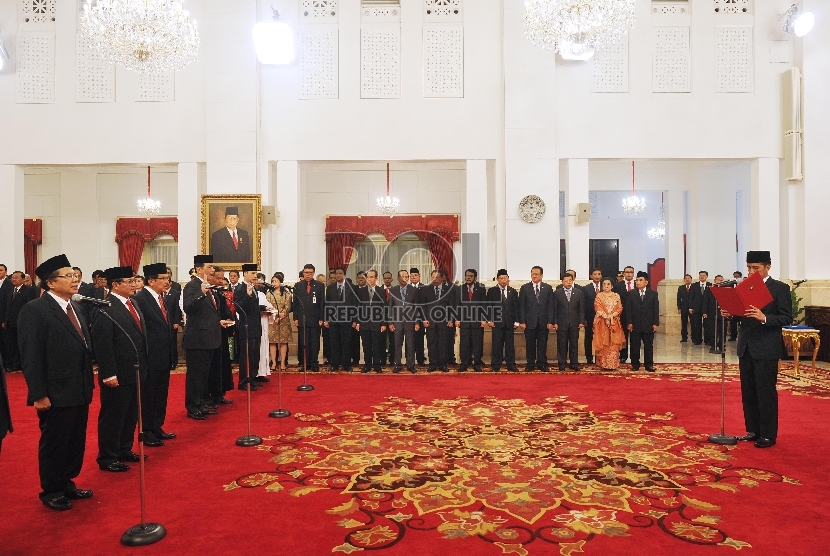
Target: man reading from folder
column 760, row 346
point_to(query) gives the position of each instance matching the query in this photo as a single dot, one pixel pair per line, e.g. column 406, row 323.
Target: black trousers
column 567, row 346
column 326, row 344
column 536, row 340
column 588, row 339
column 196, row 380
column 685, row 318
column 404, row 332
column 647, row 339
column 697, row 327
column 3, row 355
column 450, row 339
column 355, row 347
column 60, row 451
column 249, row 355
column 437, row 334
column 759, row 395
column 624, row 350
column 340, row 339
column 311, row 351
column 116, row 422
column 389, row 346
column 154, row 401
column 224, row 358
column 503, row 344
column 372, row 348
column 420, row 334
column 472, row 346
column 12, row 355
column 733, row 329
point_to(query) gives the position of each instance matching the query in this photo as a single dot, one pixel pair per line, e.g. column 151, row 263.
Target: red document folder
column 736, row 301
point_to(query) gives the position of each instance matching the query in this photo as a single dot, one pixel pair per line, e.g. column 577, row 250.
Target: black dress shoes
column 513, row 369
column 262, row 379
column 633, row 368
column 79, row 494
column 198, row 416
column 574, row 368
column 765, row 442
column 171, row 435
column 748, row 437
column 477, row 368
column 153, row 443
column 496, row 369
column 60, row 503
column 413, row 370
column 224, row 401
column 132, row 456
column 462, row 369
column 114, row 467
column 650, row 369
column 396, row 370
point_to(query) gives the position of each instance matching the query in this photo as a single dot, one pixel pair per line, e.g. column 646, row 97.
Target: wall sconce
column 274, row 41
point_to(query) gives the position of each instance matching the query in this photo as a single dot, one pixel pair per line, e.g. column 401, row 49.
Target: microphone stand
column 250, row 439
column 722, row 438
column 305, row 386
column 143, row 533
column 279, row 412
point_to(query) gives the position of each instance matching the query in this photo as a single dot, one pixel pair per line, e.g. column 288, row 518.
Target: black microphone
column 78, row 298
column 287, row 287
column 219, row 288
column 725, row 284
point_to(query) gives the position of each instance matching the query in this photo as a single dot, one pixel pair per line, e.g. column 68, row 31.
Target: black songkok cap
column 501, row 272
column 762, row 257
column 155, row 269
column 119, row 273
column 250, row 267
column 49, row 266
column 415, row 270
column 642, row 274
column 231, row 211
column 200, row 260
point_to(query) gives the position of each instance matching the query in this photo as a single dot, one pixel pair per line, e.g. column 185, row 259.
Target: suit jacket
column 171, row 301
column 249, row 313
column 5, row 295
column 509, row 306
column 85, row 289
column 568, row 314
column 709, row 303
column 114, row 351
column 472, row 310
column 371, row 313
column 16, row 302
column 56, row 361
column 98, row 293
column 532, row 313
column 5, row 410
column 202, row 330
column 159, row 332
column 223, row 249
column 696, row 300
column 764, row 341
column 590, row 295
column 642, row 313
column 401, row 312
column 430, row 303
column 309, row 308
column 684, row 299
column 338, row 307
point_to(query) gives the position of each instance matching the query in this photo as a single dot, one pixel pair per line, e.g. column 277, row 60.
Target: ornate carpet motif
column 507, row 473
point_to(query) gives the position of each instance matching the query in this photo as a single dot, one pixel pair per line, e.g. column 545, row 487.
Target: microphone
column 725, row 284
column 219, row 288
column 78, row 298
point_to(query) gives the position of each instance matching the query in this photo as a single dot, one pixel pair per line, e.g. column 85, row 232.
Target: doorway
column 605, row 255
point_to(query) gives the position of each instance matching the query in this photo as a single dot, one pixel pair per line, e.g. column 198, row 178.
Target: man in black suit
column 568, row 320
column 230, row 244
column 84, row 288
column 760, row 347
column 642, row 318
column 19, row 296
column 536, row 318
column 172, row 300
column 120, row 349
column 684, row 296
column 623, row 288
column 220, row 378
column 590, row 291
column 161, row 359
column 436, row 300
column 246, row 300
column 308, row 308
column 737, row 276
column 57, row 365
column 340, row 300
column 402, row 321
column 388, row 336
column 420, row 332
column 100, row 290
column 503, row 329
column 5, row 291
column 698, row 291
column 5, row 410
column 712, row 322
column 470, row 298
column 371, row 322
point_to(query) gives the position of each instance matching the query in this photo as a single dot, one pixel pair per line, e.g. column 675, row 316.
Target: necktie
column 74, row 320
column 504, row 293
column 387, row 294
column 235, row 240
column 371, row 294
column 308, row 287
column 16, row 291
column 470, row 292
column 596, row 287
column 642, row 294
column 437, row 292
column 568, row 294
column 628, row 285
column 403, row 294
column 702, row 287
column 134, row 313
column 536, row 289
column 688, row 288
column 340, row 292
column 163, row 308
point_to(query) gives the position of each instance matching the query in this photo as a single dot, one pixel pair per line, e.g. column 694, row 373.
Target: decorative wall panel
column 610, row 68
column 318, row 11
column 671, row 70
column 155, row 87
column 318, row 61
column 593, row 198
column 94, row 78
column 444, row 61
column 35, row 68
column 733, row 59
column 732, row 6
column 380, row 62
column 437, row 11
column 40, row 13
column 384, row 11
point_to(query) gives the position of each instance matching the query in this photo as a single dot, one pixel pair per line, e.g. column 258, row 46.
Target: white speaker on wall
column 583, row 212
column 793, row 126
column 269, row 215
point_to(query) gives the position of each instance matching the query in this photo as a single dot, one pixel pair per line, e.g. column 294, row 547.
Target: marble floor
column 668, row 349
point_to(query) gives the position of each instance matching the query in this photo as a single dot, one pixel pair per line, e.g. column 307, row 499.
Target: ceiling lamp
column 798, row 25
column 633, row 204
column 388, row 205
column 659, row 231
column 274, row 41
column 577, row 28
column 146, row 36
column 148, row 207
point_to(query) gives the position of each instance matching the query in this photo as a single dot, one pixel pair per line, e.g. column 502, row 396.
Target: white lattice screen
column 672, row 60
column 610, row 68
column 444, row 61
column 155, row 87
column 733, row 59
column 36, row 68
column 94, row 78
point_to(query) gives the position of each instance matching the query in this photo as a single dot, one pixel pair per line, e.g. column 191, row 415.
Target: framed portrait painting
column 232, row 229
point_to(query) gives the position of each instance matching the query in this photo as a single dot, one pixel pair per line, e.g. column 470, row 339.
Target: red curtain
column 339, row 248
column 440, row 247
column 32, row 237
column 656, row 272
column 132, row 233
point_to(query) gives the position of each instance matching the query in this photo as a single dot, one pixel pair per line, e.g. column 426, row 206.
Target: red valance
column 393, row 226
column 32, row 237
column 132, row 233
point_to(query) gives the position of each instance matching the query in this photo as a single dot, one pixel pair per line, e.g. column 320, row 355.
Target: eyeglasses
column 69, row 276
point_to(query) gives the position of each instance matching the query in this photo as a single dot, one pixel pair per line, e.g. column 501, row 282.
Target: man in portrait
column 231, row 244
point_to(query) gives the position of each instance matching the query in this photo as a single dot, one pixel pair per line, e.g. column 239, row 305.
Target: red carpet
column 452, row 464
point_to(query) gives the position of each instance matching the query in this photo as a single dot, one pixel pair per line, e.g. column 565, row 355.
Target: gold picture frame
column 229, row 250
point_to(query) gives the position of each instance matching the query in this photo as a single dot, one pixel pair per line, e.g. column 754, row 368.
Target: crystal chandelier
column 633, row 204
column 148, row 207
column 146, row 36
column 388, row 205
column 659, row 231
column 577, row 28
